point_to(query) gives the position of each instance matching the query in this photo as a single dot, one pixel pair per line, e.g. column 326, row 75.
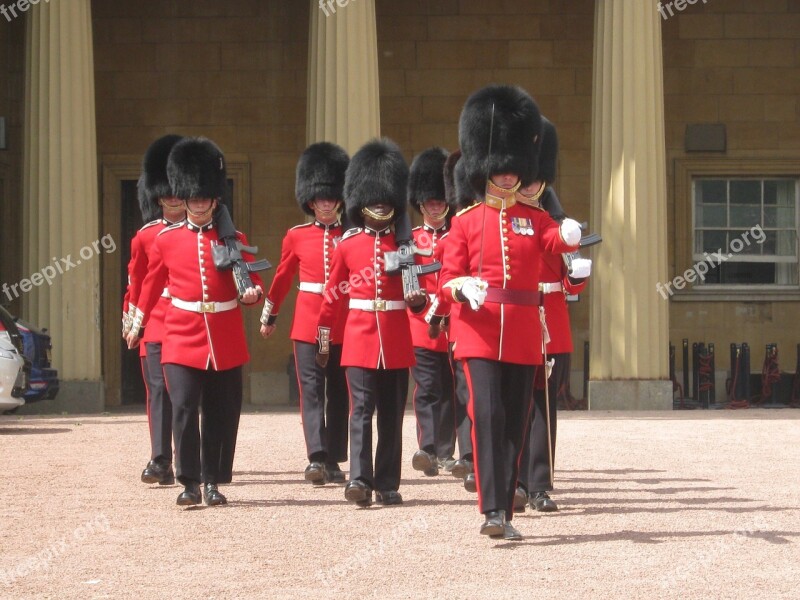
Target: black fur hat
column 196, row 169
column 458, row 192
column 153, row 183
column 320, row 174
column 516, row 135
column 548, row 153
column 426, row 177
column 376, row 173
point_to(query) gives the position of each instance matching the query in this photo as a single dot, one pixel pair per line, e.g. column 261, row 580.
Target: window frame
column 686, row 171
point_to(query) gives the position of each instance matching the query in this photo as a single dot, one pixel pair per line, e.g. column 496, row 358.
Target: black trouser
column 218, row 396
column 535, row 470
column 462, row 421
column 324, row 423
column 433, row 402
column 159, row 406
column 384, row 390
column 499, row 403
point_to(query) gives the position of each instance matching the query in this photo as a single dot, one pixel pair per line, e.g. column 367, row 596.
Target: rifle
column 228, row 257
column 586, row 241
column 402, row 260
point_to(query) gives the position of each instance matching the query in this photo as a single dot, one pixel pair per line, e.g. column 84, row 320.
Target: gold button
column 505, row 248
column 505, row 239
column 508, row 267
column 508, row 276
column 505, row 229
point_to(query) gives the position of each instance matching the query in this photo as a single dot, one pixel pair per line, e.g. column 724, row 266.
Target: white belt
column 314, row 288
column 377, row 305
column 165, row 293
column 205, row 307
column 549, row 288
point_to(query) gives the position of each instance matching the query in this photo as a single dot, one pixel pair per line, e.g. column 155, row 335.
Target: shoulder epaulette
column 351, row 232
column 469, row 208
column 150, row 224
column 171, row 227
column 301, row 226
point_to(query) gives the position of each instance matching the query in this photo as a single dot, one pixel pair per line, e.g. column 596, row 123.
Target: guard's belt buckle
column 379, row 305
column 208, row 307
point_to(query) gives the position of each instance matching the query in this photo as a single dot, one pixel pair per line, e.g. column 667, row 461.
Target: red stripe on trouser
column 143, row 366
column 471, row 413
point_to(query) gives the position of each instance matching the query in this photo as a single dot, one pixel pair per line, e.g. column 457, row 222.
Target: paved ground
column 653, row 505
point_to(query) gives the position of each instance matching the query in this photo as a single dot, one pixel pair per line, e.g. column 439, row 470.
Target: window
column 745, row 230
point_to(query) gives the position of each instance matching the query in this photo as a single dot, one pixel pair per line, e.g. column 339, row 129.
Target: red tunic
column 425, row 238
column 308, row 249
column 182, row 255
column 513, row 241
column 137, row 271
column 372, row 339
column 554, row 270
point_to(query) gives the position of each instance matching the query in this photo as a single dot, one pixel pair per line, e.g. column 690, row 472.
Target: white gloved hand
column 474, row 290
column 581, row 268
column 571, row 231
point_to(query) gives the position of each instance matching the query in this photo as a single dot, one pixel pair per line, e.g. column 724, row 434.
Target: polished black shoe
column 511, row 533
column 425, row 462
column 158, row 472
column 520, row 499
column 388, row 498
column 359, row 492
column 316, row 474
column 461, row 468
column 470, row 484
column 335, row 473
column 494, row 523
column 213, row 496
column 446, row 464
column 190, row 495
column 541, row 501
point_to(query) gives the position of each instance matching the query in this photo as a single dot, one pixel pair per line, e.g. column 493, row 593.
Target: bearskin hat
column 515, row 135
column 376, row 173
column 320, row 174
column 458, row 192
column 548, row 152
column 153, row 182
column 196, row 169
column 426, row 177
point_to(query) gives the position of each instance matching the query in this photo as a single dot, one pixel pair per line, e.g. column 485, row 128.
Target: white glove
column 581, row 268
column 571, row 231
column 474, row 290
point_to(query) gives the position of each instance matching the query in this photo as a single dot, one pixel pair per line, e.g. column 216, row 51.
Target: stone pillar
column 60, row 196
column 343, row 95
column 629, row 320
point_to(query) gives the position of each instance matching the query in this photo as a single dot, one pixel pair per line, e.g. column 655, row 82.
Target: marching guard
column 309, row 249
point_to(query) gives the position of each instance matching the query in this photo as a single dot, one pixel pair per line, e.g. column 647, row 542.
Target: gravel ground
column 653, row 505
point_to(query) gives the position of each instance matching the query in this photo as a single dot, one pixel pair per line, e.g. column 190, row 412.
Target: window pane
column 785, row 216
column 710, row 241
column 752, row 273
column 709, row 191
column 745, row 215
column 779, row 191
column 786, row 243
column 711, row 215
column 745, row 191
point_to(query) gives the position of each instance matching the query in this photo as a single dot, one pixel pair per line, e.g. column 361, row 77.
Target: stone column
column 343, row 95
column 629, row 320
column 60, row 196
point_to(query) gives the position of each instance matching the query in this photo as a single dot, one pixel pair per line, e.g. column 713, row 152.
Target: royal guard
column 204, row 346
column 433, row 375
column 556, row 283
column 308, row 249
column 159, row 209
column 377, row 351
column 491, row 261
column 441, row 315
